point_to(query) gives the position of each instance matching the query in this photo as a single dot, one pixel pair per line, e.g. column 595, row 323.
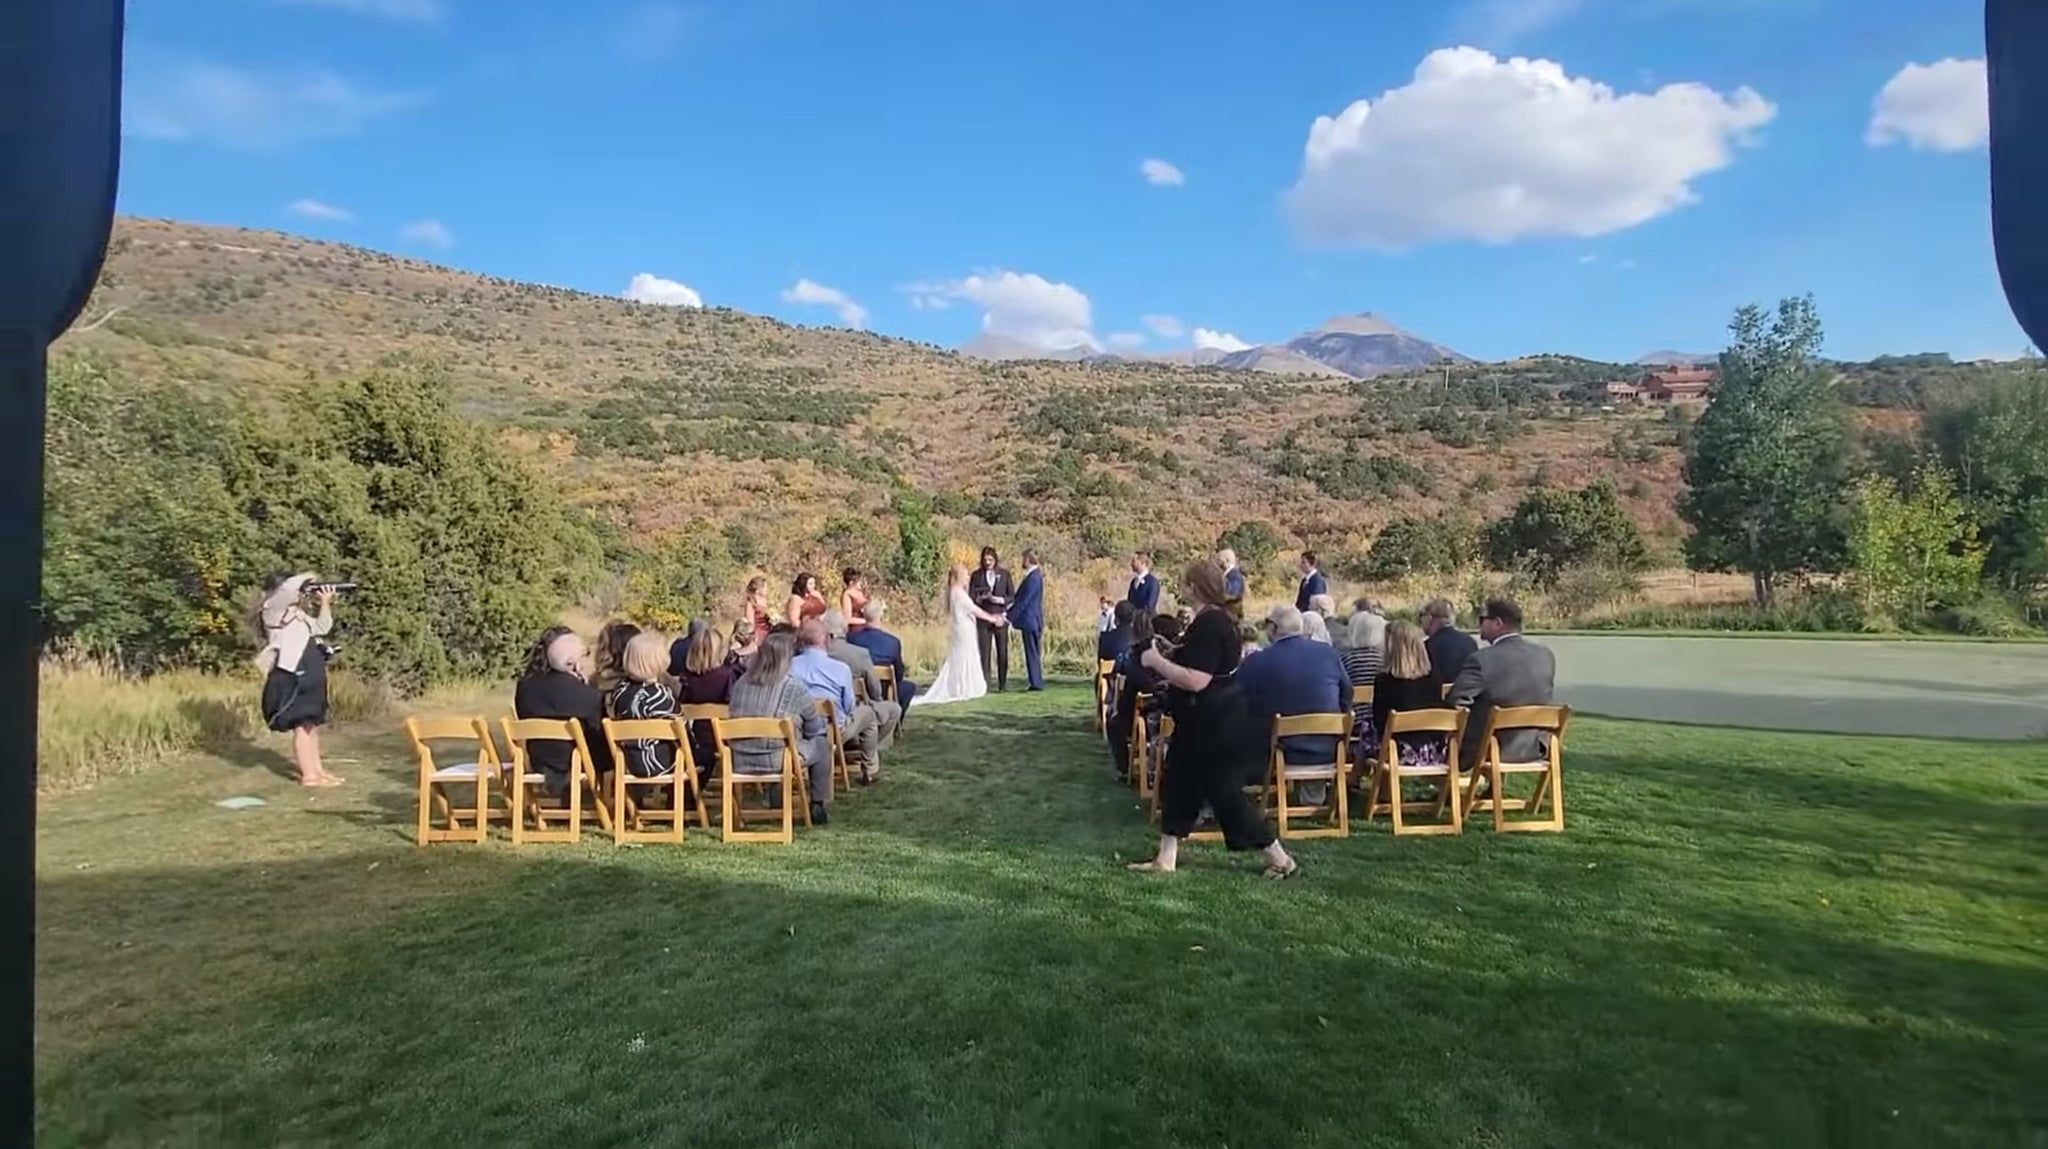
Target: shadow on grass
column 1949, row 719
column 362, row 999
column 224, row 733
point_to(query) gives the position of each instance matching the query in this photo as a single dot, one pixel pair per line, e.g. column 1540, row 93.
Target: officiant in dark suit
column 989, row 588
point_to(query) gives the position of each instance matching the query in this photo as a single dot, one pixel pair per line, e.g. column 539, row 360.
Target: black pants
column 1203, row 768
column 991, row 635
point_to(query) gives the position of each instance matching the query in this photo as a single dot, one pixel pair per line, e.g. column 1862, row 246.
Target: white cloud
column 851, row 313
column 431, row 232
column 1161, row 174
column 182, row 98
column 1940, row 107
column 1029, row 308
column 415, row 11
column 1207, row 340
column 1126, row 340
column 654, row 31
column 1590, row 257
column 1164, row 326
column 316, row 209
column 647, row 288
column 1497, row 150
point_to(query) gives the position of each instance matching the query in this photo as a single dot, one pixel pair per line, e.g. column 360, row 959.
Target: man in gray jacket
column 1508, row 671
column 882, row 732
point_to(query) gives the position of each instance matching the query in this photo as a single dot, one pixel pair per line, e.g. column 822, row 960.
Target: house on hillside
column 1618, row 394
column 1679, row 385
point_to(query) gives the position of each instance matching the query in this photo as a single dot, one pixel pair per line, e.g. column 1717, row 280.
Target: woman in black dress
column 294, row 662
column 1215, row 742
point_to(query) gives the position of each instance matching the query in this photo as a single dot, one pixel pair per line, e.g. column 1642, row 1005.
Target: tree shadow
column 224, row 733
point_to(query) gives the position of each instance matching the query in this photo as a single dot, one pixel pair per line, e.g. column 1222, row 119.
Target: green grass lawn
column 1742, row 939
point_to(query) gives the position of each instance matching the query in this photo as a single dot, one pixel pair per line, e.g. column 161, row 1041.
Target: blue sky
column 935, row 168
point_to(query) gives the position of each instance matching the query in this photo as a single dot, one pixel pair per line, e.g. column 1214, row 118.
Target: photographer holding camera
column 294, row 661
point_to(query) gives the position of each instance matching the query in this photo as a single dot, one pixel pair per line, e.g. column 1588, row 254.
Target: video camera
column 337, row 587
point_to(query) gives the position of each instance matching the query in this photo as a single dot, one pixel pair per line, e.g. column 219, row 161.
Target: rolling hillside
column 657, row 416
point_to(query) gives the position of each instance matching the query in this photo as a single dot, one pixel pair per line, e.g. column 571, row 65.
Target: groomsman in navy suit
column 1144, row 592
column 1312, row 582
column 1027, row 618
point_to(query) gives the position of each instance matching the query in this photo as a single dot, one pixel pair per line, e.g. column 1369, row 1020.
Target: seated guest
column 806, row 600
column 1296, row 675
column 1510, row 671
column 884, row 649
column 1405, row 682
column 861, row 729
column 853, row 598
column 1449, row 647
column 1142, row 693
column 708, row 668
column 1313, row 627
column 1111, row 644
column 611, row 655
column 766, row 690
column 1247, row 640
column 1363, row 657
column 553, row 686
column 642, row 694
column 888, row 714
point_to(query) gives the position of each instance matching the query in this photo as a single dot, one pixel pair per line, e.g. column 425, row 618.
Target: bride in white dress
column 960, row 678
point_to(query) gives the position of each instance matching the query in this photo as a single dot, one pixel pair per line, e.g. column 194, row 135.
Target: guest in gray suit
column 1509, row 671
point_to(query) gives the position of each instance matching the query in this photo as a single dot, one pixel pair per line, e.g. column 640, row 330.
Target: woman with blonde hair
column 1405, row 682
column 641, row 693
column 754, row 610
column 960, row 676
column 1215, row 743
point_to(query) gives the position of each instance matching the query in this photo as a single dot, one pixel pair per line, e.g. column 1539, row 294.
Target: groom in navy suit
column 1027, row 616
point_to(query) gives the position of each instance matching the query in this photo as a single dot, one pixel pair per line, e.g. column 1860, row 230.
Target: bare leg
column 306, row 753
column 1167, row 857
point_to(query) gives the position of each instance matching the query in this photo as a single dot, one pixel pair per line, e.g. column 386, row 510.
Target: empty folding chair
column 842, row 766
column 479, row 774
column 695, row 716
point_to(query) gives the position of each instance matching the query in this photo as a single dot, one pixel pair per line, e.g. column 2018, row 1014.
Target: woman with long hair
column 960, row 676
column 1407, row 682
column 294, row 662
column 853, row 598
column 806, row 600
column 1215, row 743
column 704, row 665
column 754, row 610
column 766, row 690
column 611, row 654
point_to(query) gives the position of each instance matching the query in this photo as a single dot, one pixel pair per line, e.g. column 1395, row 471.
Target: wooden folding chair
column 1361, row 694
column 1283, row 776
column 1549, row 769
column 1389, row 772
column 886, row 675
column 842, row 765
column 528, row 800
column 630, row 815
column 435, row 780
column 790, row 777
column 1105, row 669
column 690, row 715
column 1153, row 766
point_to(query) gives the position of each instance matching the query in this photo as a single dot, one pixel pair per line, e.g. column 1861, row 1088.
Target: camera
column 336, row 587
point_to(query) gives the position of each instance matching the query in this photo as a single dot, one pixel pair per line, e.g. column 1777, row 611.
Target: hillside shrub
column 1551, row 531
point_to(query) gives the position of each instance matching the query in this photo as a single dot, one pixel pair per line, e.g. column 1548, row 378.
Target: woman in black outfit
column 1213, row 734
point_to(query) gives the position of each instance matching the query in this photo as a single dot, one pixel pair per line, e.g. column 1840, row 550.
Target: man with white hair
column 871, row 723
column 1296, row 675
column 884, row 649
column 1233, row 575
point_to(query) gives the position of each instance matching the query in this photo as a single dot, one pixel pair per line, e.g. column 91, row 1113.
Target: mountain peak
column 1363, row 323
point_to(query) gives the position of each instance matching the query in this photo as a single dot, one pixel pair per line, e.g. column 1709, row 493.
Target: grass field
column 1743, row 938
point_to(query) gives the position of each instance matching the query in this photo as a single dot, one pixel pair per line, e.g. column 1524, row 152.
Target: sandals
column 1281, row 874
column 1148, row 866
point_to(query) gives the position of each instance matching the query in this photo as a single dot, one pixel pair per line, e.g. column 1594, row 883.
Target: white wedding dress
column 960, row 679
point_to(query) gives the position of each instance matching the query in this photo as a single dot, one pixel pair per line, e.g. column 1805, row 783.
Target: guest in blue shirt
column 1144, row 593
column 1296, row 675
